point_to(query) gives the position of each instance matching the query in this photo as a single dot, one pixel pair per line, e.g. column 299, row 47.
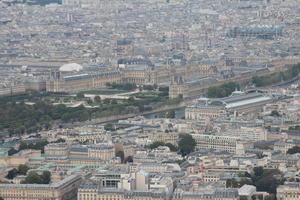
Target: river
column 179, row 113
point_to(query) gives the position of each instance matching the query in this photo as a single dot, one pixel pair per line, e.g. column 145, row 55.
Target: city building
column 288, row 191
column 220, row 143
column 65, row 189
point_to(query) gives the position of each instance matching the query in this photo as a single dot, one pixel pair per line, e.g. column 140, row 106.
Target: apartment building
column 221, row 143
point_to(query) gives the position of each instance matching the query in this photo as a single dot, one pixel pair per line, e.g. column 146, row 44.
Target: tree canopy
column 264, row 179
column 186, row 144
column 293, row 150
column 223, row 90
column 109, row 127
column 97, row 99
column 37, row 146
column 22, row 169
column 277, row 77
column 19, row 118
column 154, row 145
column 122, row 86
column 34, row 178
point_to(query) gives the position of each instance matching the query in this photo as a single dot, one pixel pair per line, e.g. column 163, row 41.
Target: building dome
column 71, row 67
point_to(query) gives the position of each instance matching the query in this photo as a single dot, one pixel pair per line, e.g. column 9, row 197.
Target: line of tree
column 37, row 146
column 21, row 118
column 277, row 77
column 122, row 86
column 223, row 90
column 295, row 128
column 150, row 87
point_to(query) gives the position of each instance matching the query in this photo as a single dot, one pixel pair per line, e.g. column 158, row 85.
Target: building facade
column 288, row 191
column 63, row 190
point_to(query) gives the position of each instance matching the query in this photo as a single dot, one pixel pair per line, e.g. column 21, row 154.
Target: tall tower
column 177, row 88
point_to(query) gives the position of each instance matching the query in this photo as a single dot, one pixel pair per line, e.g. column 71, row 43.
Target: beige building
column 252, row 134
column 127, row 147
column 63, row 190
column 285, row 145
column 103, row 152
column 221, row 143
column 209, row 194
column 19, row 158
column 92, row 193
column 170, row 137
column 289, row 191
column 57, row 149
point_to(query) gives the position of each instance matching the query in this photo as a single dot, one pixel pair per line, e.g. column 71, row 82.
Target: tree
column 128, row 159
column 258, row 171
column 12, row 173
column 80, row 95
column 131, row 99
column 46, row 176
column 120, row 154
column 89, row 101
column 270, row 197
column 186, row 144
column 293, row 150
column 60, row 140
column 148, row 87
column 266, row 179
column 97, row 99
column 297, row 127
column 37, row 146
column 171, row 114
column 113, row 101
column 222, row 90
column 22, row 169
column 109, row 127
column 12, row 151
column 275, row 113
column 156, row 144
column 106, row 101
column 33, row 178
column 230, row 183
column 171, row 147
